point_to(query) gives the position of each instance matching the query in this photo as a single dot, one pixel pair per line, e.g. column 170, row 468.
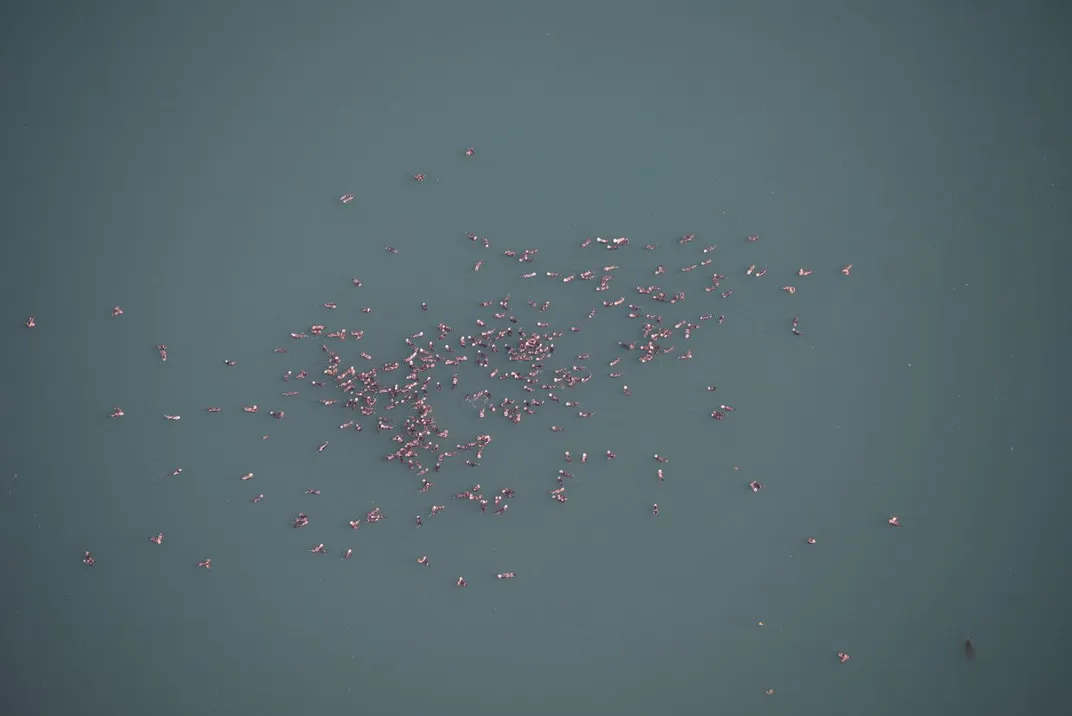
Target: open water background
column 183, row 160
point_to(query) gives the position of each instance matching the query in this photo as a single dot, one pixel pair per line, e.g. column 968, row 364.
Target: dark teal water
column 184, row 161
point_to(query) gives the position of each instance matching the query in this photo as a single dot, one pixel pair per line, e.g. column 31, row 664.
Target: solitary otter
column 969, row 650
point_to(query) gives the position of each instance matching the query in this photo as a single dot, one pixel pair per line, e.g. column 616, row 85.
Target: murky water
column 185, row 162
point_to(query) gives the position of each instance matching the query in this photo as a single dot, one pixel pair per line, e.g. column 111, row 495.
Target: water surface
column 184, row 161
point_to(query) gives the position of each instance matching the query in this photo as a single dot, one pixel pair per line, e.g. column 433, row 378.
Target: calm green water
column 184, row 161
